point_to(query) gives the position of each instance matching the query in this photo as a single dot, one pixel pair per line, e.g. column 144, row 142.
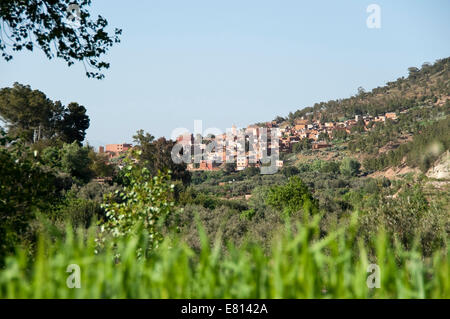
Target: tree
column 156, row 154
column 291, row 197
column 340, row 134
column 350, row 167
column 24, row 188
column 413, row 70
column 303, row 145
column 323, row 136
column 360, row 126
column 361, row 91
column 25, row 111
column 279, row 119
column 29, row 114
column 51, row 157
column 99, row 164
column 289, row 171
column 146, row 201
column 75, row 161
column 144, row 140
column 413, row 73
column 74, row 123
column 45, row 24
column 250, row 171
column 229, row 168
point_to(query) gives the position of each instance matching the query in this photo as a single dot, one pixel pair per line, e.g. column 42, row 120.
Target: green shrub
column 291, row 197
column 350, row 167
column 409, row 217
column 25, row 187
column 144, row 200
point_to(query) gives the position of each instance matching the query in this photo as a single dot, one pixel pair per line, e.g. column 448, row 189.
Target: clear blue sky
column 236, row 61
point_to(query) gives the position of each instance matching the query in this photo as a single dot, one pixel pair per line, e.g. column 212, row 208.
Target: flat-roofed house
column 241, row 162
column 115, row 150
column 319, row 145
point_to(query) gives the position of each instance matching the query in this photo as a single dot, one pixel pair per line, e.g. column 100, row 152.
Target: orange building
column 317, row 146
column 115, row 149
column 207, row 166
column 186, row 139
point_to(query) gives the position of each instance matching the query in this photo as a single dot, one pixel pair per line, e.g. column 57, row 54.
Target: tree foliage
column 430, row 142
column 31, row 115
column 291, row 197
column 350, row 167
column 303, row 145
column 146, row 201
column 157, row 156
column 46, row 24
column 24, row 188
column 74, row 123
column 75, row 161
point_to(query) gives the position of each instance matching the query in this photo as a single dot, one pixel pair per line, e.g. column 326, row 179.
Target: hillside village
column 245, row 147
column 344, row 198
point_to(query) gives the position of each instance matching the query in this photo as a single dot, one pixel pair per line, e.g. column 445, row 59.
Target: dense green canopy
column 31, row 115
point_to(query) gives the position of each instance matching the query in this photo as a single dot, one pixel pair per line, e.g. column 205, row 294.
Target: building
column 206, row 165
column 320, row 145
column 115, row 150
column 252, row 130
column 186, row 139
column 241, row 162
column 234, row 130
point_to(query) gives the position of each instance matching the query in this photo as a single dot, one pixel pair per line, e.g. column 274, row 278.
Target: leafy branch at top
column 25, row 24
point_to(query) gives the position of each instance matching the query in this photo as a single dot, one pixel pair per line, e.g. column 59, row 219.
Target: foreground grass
column 298, row 266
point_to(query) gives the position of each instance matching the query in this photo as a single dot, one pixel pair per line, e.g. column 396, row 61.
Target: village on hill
column 248, row 146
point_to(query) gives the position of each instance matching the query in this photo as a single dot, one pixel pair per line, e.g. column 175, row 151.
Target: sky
column 236, row 61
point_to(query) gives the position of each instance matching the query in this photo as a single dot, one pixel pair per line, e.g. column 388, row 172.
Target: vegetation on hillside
column 142, row 226
column 430, row 83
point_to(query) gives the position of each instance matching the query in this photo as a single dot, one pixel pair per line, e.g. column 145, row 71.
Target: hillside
column 429, row 85
column 412, row 142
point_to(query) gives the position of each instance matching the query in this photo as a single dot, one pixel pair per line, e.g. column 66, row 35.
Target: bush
column 25, row 187
column 291, row 197
column 409, row 217
column 350, row 167
column 144, row 201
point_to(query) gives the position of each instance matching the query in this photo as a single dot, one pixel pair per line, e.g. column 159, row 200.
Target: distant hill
column 419, row 135
column 429, row 84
